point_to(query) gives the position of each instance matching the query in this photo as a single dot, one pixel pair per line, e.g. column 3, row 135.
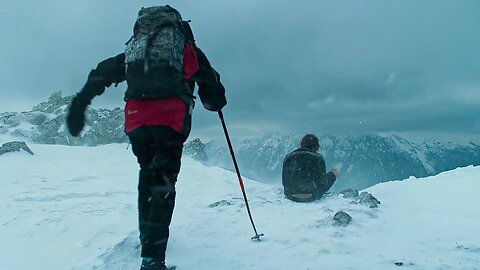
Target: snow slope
column 75, row 208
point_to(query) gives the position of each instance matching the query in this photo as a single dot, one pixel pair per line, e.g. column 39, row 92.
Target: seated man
column 304, row 175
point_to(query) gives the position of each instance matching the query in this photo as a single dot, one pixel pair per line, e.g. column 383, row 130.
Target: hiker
column 304, row 175
column 161, row 65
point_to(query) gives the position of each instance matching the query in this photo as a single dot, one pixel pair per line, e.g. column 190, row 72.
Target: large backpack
column 155, row 55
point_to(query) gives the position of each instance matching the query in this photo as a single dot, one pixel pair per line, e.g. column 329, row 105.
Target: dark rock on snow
column 367, row 199
column 14, row 147
column 349, row 193
column 220, row 203
column 342, row 219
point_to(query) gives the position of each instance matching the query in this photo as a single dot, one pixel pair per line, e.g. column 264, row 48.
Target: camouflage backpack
column 154, row 55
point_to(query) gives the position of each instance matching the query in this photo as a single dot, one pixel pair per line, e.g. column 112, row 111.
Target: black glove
column 212, row 92
column 76, row 115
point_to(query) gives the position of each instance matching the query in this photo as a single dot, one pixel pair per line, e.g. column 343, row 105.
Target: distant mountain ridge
column 363, row 160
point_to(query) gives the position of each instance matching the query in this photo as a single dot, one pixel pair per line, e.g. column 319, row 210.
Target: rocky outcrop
column 14, row 146
column 46, row 124
column 341, row 218
column 367, row 199
column 349, row 193
column 196, row 150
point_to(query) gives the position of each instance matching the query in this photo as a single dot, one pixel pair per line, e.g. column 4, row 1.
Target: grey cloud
column 342, row 66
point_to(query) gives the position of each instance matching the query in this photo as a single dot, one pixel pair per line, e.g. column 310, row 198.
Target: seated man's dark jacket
column 304, row 172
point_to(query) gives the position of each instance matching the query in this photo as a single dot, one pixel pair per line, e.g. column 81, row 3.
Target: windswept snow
column 75, row 208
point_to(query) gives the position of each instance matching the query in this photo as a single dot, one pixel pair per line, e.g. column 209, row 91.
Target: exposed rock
column 10, row 119
column 196, row 149
column 54, row 103
column 220, row 203
column 14, row 147
column 22, row 133
column 36, row 118
column 349, row 193
column 367, row 199
column 342, row 219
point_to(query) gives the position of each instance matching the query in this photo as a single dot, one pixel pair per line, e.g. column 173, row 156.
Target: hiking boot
column 153, row 264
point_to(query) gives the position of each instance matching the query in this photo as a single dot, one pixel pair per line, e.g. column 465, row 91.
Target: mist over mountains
column 363, row 160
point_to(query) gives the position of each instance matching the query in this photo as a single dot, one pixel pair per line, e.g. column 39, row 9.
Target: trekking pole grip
column 220, row 114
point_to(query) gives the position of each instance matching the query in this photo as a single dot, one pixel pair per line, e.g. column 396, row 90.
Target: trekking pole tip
column 257, row 237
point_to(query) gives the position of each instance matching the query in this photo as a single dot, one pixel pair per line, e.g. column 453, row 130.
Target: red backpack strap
column 190, row 60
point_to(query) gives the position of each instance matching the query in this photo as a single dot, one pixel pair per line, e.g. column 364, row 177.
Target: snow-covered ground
column 75, row 208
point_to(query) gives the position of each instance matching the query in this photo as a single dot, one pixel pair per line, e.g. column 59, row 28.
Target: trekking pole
column 257, row 236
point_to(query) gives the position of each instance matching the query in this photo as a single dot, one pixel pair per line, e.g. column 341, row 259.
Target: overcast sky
column 302, row 66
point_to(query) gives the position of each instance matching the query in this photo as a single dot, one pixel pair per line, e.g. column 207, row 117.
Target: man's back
column 303, row 171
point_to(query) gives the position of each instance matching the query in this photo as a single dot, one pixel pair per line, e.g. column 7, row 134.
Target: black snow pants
column 315, row 195
column 158, row 150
